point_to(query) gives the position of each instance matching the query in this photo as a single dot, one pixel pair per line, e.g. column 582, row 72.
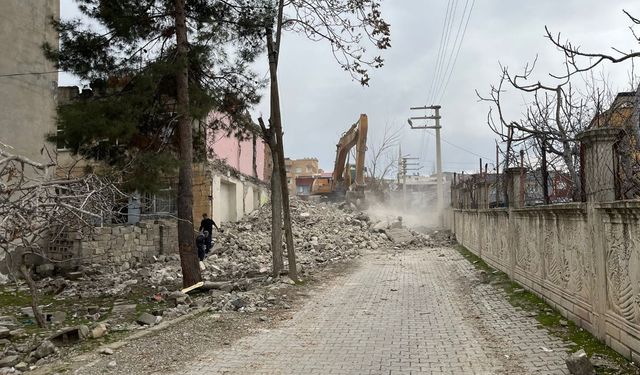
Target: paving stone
column 441, row 319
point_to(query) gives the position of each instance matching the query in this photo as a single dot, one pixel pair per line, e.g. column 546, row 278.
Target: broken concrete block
column 45, row 349
column 91, row 310
column 75, row 275
column 106, row 351
column 45, row 269
column 147, row 319
column 17, row 333
column 4, row 332
column 399, row 235
column 9, row 361
column 124, row 310
column 99, row 330
column 57, row 317
column 8, row 321
column 178, row 298
column 70, row 335
column 578, row 364
column 22, row 366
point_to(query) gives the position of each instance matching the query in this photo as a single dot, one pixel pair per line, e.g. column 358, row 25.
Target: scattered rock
column 105, row 351
column 22, row 366
column 146, row 319
column 45, row 270
column 70, row 335
column 99, row 330
column 578, row 364
column 124, row 310
column 45, row 349
column 112, row 364
column 92, row 310
column 8, row 322
column 9, row 361
column 4, row 332
column 57, row 317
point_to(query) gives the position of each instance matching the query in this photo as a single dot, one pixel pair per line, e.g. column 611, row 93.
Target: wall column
column 599, row 186
column 599, row 165
column 516, row 177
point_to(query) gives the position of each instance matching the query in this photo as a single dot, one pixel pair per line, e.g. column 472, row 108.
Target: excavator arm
column 355, row 136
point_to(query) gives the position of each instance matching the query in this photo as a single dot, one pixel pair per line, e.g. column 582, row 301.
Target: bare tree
column 36, row 207
column 345, row 25
column 382, row 158
column 554, row 115
column 556, row 112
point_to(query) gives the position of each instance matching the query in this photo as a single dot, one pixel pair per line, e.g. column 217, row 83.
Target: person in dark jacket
column 207, row 225
column 201, row 244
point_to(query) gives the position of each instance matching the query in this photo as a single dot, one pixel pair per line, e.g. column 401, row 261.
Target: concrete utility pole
column 437, row 127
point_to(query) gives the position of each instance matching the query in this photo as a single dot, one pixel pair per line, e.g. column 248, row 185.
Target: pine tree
column 155, row 68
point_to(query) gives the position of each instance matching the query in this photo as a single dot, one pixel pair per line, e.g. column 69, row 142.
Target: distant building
column 28, row 87
column 299, row 167
column 624, row 113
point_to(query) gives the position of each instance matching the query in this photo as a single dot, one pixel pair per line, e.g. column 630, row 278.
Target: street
column 413, row 312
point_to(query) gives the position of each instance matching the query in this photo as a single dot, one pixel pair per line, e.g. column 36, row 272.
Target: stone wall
column 582, row 258
column 122, row 246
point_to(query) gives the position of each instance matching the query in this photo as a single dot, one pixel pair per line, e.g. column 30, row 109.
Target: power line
column 29, row 73
column 444, row 90
column 456, row 45
column 447, row 40
column 435, row 71
column 462, row 148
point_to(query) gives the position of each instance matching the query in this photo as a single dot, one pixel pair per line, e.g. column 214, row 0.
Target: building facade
column 299, row 168
column 28, row 87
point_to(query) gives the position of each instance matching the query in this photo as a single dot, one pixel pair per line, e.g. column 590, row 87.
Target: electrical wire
column 29, row 73
column 455, row 46
column 447, row 40
column 435, row 71
column 444, row 90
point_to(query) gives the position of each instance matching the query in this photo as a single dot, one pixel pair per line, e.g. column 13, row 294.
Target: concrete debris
column 237, row 277
column 578, row 364
column 8, row 322
column 112, row 364
column 124, row 309
column 9, row 361
column 99, row 330
column 70, row 335
column 106, row 351
column 45, row 349
column 147, row 319
column 57, row 317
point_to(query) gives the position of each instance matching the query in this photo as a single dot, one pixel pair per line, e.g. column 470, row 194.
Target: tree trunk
column 276, row 123
column 26, row 273
column 276, row 217
column 276, row 202
column 188, row 258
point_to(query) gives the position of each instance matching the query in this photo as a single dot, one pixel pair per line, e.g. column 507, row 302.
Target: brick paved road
column 417, row 312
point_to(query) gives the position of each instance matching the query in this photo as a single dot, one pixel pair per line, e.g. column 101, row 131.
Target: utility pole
column 406, row 166
column 437, row 127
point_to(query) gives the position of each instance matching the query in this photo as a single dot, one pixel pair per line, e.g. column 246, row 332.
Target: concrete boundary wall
column 582, row 258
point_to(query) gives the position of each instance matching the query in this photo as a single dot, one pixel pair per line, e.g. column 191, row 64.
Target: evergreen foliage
column 125, row 50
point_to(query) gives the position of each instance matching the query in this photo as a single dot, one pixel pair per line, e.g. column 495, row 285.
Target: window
column 298, row 170
column 164, row 202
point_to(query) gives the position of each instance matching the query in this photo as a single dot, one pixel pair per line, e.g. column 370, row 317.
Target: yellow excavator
column 341, row 181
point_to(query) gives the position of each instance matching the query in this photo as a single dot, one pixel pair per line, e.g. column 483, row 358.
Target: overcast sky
column 320, row 101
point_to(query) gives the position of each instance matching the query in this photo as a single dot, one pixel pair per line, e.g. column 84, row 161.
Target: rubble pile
column 97, row 300
column 323, row 232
